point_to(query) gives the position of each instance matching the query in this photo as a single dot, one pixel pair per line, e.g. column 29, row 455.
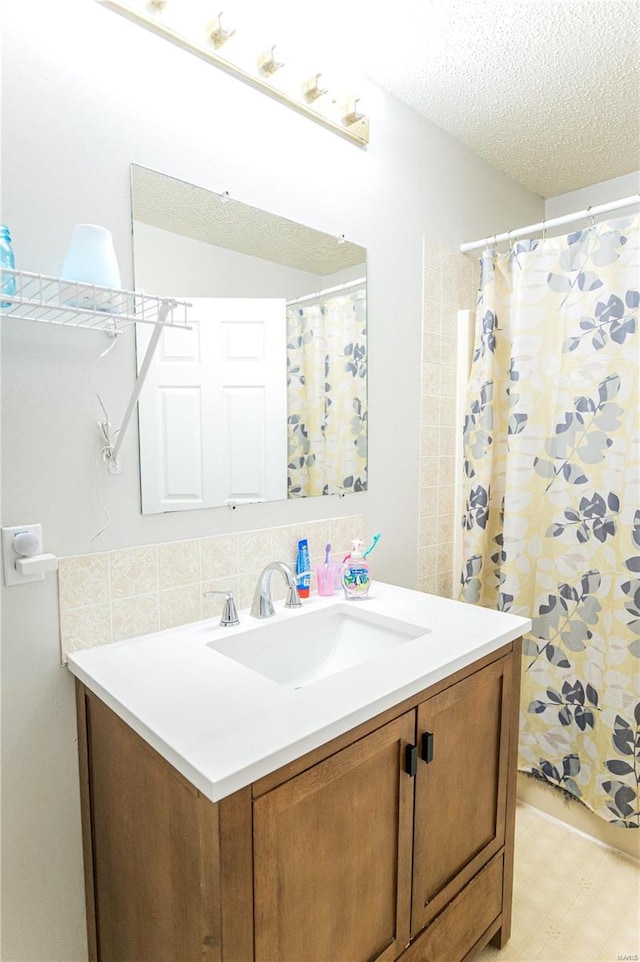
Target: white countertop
column 223, row 725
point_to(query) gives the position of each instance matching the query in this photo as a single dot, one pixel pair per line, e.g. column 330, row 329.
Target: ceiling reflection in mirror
column 265, row 398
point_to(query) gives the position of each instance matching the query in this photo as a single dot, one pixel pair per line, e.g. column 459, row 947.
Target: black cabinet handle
column 427, row 747
column 411, row 760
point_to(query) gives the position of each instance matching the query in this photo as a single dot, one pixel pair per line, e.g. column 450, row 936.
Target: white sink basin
column 301, row 650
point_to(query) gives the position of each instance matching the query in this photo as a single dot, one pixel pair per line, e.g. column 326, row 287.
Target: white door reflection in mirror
column 213, row 409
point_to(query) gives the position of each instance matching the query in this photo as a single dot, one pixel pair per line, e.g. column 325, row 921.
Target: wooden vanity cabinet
column 464, row 733
column 332, row 855
column 393, row 841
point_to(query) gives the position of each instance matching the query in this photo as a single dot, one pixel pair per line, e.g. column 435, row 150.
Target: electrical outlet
column 9, row 554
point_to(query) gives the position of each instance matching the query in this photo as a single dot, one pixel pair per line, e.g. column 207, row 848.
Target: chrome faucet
column 262, row 606
column 229, row 616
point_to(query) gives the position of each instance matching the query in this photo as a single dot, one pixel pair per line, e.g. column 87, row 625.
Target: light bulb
column 353, row 111
column 268, row 62
column 314, row 87
column 219, row 31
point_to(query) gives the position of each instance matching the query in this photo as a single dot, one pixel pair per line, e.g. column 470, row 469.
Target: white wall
column 86, row 93
column 602, row 193
column 177, row 266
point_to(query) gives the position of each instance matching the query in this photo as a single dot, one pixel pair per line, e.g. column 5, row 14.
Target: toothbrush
column 376, row 538
column 327, row 552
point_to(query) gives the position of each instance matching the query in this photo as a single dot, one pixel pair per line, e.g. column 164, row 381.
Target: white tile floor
column 574, row 899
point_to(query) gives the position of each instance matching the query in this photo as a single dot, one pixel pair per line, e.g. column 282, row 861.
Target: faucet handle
column 229, row 615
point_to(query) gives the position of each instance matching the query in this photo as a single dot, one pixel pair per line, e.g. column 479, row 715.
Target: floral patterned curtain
column 552, row 490
column 327, row 396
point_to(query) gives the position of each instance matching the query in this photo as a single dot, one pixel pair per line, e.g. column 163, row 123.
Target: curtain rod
column 328, row 290
column 554, row 222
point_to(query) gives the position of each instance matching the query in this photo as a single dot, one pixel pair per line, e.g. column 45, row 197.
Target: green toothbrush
column 376, row 538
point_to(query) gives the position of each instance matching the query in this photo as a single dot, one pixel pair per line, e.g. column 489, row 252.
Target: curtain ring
column 592, row 222
column 509, row 241
column 491, row 245
column 544, row 231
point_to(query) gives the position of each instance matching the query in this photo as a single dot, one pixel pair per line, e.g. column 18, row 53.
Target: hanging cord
column 107, row 518
column 105, row 452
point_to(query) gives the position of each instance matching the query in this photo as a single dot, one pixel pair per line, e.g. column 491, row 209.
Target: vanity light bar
column 354, row 125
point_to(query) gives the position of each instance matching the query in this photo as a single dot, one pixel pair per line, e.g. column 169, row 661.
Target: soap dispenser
column 356, row 573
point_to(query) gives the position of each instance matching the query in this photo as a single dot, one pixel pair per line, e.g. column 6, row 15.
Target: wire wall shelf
column 51, row 300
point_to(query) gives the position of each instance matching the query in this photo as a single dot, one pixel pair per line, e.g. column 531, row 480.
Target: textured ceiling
column 182, row 208
column 546, row 90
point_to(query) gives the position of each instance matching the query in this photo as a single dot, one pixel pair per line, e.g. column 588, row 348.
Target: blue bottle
column 7, row 260
column 303, row 569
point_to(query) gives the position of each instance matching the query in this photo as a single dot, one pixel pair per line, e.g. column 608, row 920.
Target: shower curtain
column 552, row 500
column 327, row 396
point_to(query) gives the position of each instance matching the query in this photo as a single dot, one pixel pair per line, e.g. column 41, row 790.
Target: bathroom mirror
column 265, row 398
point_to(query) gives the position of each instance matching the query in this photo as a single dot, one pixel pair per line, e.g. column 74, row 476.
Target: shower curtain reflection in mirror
column 326, row 393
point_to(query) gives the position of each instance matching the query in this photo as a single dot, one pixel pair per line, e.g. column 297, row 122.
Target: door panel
column 460, row 793
column 332, row 850
column 180, row 462
column 213, row 410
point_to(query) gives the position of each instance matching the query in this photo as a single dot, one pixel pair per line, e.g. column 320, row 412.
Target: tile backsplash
column 120, row 594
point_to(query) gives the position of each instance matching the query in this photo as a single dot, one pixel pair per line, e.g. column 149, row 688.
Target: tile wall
column 120, row 594
column 450, row 284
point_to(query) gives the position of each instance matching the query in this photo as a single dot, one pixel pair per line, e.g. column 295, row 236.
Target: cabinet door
column 461, row 790
column 332, row 856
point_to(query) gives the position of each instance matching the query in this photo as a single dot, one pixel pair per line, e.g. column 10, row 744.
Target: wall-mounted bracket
column 52, row 300
column 112, row 448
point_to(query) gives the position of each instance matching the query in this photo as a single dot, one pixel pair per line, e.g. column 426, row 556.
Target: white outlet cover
column 9, row 555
